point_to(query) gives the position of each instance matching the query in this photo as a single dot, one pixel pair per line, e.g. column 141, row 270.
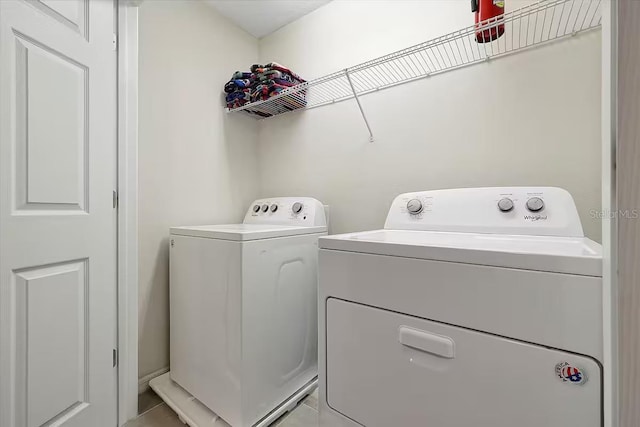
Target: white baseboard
column 143, row 383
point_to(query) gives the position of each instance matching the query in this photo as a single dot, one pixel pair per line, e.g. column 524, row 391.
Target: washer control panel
column 544, row 211
column 286, row 211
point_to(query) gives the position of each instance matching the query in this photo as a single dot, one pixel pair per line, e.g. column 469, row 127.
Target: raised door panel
column 51, row 129
column 52, row 345
column 72, row 13
column 68, row 9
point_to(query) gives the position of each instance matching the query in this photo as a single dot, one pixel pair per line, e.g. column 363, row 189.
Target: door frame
column 609, row 222
column 127, row 45
column 625, row 112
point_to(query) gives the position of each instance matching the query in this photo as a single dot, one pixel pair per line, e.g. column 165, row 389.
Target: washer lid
column 243, row 232
column 572, row 255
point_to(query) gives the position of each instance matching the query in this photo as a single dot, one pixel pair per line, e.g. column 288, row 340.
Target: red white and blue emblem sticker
column 569, row 373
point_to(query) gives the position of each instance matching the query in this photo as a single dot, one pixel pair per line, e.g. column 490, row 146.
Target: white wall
column 196, row 165
column 529, row 119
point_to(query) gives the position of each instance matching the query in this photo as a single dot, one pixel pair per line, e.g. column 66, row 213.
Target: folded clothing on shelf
column 262, row 83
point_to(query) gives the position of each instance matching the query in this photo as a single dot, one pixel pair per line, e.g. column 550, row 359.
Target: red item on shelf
column 491, row 10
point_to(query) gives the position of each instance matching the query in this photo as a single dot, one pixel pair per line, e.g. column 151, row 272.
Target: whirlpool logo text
column 535, row 217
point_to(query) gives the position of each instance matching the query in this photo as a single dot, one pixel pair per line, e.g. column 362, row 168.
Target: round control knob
column 256, row 208
column 414, row 206
column 505, row 204
column 274, row 207
column 535, row 204
column 297, row 207
column 265, row 208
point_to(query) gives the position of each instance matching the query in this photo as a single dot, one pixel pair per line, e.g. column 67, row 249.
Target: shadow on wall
column 154, row 327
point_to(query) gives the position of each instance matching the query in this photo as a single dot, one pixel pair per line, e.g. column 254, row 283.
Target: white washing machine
column 243, row 306
column 472, row 307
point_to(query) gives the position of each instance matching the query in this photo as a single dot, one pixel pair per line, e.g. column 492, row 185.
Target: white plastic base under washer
column 195, row 414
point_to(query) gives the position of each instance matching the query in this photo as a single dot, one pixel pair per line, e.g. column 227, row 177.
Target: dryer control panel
column 541, row 211
column 286, row 211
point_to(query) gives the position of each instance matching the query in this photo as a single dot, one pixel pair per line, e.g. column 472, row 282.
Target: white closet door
column 57, row 219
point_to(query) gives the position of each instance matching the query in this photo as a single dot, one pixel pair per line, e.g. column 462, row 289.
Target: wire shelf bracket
column 530, row 26
column 355, row 95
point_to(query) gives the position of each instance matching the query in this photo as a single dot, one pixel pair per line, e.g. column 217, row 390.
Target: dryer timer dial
column 535, row 204
column 414, row 206
column 505, row 204
column 297, row 207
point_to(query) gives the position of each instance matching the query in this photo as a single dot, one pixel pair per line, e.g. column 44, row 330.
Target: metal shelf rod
column 355, row 95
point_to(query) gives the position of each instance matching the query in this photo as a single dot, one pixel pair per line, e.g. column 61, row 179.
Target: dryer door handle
column 438, row 345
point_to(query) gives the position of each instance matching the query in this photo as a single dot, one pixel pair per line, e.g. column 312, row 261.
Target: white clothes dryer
column 472, row 307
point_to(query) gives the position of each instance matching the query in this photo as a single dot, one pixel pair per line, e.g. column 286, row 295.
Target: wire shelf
column 530, row 26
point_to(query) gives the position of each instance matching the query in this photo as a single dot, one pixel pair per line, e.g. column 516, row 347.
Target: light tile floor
column 148, row 400
column 155, row 413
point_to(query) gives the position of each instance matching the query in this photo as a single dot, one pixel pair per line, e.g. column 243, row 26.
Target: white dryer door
column 388, row 369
